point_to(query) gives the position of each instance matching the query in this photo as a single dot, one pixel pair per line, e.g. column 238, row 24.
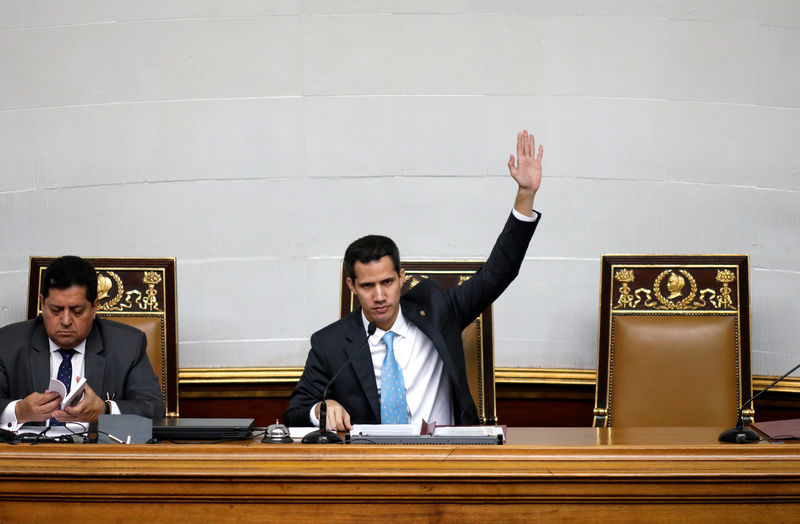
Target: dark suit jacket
column 115, row 363
column 441, row 314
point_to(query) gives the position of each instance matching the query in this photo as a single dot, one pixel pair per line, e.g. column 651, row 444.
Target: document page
column 469, row 431
column 75, row 395
column 386, row 430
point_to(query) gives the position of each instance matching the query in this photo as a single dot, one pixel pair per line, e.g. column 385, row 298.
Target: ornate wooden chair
column 139, row 292
column 477, row 338
column 674, row 343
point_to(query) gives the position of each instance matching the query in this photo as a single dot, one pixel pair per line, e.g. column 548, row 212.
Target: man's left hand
column 527, row 170
column 87, row 410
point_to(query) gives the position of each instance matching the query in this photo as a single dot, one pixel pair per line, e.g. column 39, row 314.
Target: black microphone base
column 739, row 435
column 322, row 437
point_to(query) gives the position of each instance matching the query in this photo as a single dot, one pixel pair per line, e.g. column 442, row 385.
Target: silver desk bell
column 277, row 434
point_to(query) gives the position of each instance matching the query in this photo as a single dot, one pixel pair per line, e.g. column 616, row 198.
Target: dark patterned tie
column 64, row 375
column 394, row 409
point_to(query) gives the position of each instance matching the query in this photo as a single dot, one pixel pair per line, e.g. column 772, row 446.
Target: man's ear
column 351, row 285
column 41, row 302
column 402, row 275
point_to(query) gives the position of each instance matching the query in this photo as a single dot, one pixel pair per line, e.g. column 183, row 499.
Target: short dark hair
column 68, row 271
column 368, row 249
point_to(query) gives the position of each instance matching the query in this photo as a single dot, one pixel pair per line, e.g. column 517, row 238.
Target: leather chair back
column 674, row 345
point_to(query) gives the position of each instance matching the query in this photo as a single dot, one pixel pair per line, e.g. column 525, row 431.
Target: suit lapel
column 95, row 361
column 419, row 317
column 362, row 363
column 40, row 359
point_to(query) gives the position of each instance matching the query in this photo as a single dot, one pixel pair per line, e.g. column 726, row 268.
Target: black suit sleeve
column 4, row 386
column 309, row 389
column 501, row 268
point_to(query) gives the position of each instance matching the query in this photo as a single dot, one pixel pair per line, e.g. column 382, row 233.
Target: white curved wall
column 254, row 140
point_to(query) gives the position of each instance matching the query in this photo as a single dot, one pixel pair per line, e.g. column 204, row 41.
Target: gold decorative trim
column 787, row 385
column 136, row 301
column 582, row 377
column 292, row 374
column 238, row 375
column 677, row 277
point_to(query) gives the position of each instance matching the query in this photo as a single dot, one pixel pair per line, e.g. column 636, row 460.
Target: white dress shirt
column 428, row 392
column 8, row 419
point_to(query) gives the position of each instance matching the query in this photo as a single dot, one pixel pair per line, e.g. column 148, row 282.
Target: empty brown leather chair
column 674, row 343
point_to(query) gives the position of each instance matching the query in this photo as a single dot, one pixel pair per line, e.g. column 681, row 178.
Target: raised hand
column 527, row 169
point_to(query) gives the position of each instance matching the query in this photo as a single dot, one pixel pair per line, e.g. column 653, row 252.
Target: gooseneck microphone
column 741, row 434
column 323, row 436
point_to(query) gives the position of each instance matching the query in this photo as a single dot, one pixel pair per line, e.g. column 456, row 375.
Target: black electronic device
column 7, row 436
column 183, row 428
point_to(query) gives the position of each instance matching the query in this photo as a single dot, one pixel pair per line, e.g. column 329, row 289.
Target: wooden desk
column 546, row 473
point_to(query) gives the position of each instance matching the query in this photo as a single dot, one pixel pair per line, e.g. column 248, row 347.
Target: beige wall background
column 253, row 140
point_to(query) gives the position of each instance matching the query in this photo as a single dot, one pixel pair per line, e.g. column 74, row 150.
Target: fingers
column 87, row 410
column 37, row 407
column 89, row 393
column 42, row 412
column 341, row 420
column 526, row 143
column 336, row 417
column 50, row 406
column 48, row 393
column 48, row 397
column 71, row 416
column 62, row 416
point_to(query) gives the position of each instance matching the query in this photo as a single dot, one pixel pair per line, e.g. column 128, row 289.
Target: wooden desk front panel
column 551, row 473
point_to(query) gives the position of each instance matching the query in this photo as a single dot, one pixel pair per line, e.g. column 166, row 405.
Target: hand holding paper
column 85, row 408
column 74, row 396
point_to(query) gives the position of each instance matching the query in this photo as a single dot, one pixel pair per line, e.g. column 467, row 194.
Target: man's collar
column 400, row 326
column 80, row 348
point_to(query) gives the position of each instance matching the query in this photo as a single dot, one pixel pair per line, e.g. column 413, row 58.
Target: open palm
column 526, row 169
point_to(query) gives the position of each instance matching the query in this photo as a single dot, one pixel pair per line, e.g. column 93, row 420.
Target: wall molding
column 209, row 376
column 290, row 375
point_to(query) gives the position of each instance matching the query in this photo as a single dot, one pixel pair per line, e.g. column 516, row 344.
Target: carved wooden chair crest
column 674, row 342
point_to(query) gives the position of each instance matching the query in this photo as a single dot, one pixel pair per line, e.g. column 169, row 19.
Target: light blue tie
column 394, row 409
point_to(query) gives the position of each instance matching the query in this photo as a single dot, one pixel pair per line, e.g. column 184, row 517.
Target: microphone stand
column 322, row 435
column 741, row 434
